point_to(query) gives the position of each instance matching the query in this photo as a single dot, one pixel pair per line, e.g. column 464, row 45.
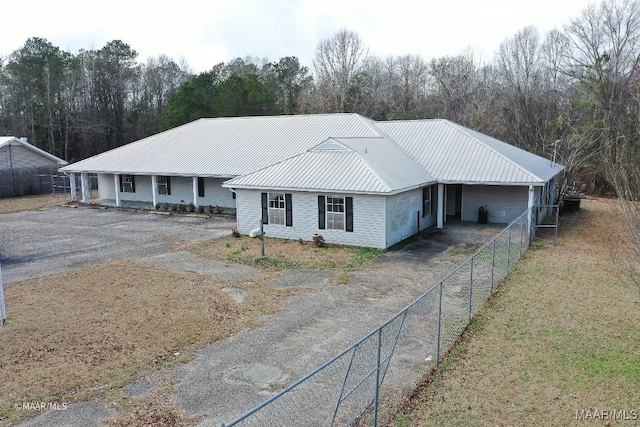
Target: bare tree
column 339, row 66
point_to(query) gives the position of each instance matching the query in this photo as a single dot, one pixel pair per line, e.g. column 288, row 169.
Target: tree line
column 578, row 85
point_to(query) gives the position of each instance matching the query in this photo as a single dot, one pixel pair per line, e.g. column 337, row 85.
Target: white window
column 163, row 185
column 127, row 183
column 335, row 213
column 426, row 197
column 276, row 208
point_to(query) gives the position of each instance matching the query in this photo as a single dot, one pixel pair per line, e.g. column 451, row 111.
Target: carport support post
column 116, row 182
column 72, row 182
column 440, row 222
column 195, row 191
column 154, row 190
column 84, row 184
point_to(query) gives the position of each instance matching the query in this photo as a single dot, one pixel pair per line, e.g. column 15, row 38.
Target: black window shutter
column 200, row 187
column 265, row 209
column 348, row 207
column 121, row 185
column 133, row 183
column 168, row 186
column 288, row 210
column 424, row 200
column 321, row 210
column 434, row 196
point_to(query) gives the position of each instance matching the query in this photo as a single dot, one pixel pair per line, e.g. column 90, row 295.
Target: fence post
column 470, row 289
column 439, row 326
column 3, row 308
column 493, row 263
column 555, row 235
column 509, row 252
column 521, row 227
column 375, row 408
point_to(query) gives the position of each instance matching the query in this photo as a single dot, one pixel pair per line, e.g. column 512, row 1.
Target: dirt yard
column 561, row 337
column 18, row 204
column 77, row 334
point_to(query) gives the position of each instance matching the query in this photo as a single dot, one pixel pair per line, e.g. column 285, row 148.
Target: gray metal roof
column 12, row 140
column 232, row 147
column 225, row 147
column 355, row 165
column 453, row 153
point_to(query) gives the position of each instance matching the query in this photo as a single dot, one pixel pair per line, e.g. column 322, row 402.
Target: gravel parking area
column 57, row 239
column 230, row 376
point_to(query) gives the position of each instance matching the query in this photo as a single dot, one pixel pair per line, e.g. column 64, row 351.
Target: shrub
column 200, row 209
column 182, row 207
column 211, row 209
column 191, row 207
column 318, row 240
column 235, row 232
column 174, row 208
column 157, row 206
column 219, row 209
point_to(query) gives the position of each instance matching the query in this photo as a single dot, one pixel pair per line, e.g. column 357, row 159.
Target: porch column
column 195, row 191
column 72, row 181
column 440, row 221
column 84, row 183
column 530, row 206
column 154, row 190
column 116, row 182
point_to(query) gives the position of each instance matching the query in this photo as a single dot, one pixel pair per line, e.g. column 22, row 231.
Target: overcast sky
column 207, row 32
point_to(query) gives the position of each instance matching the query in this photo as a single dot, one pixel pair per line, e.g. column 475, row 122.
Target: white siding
column 18, row 156
column 106, row 186
column 510, row 200
column 216, row 195
column 143, row 190
column 368, row 219
column 402, row 212
column 181, row 191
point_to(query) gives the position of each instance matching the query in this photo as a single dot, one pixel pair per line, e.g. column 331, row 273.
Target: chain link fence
column 363, row 384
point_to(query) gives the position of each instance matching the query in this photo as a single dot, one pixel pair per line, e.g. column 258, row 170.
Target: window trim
column 127, row 180
column 334, row 213
column 427, row 199
column 280, row 208
column 166, row 185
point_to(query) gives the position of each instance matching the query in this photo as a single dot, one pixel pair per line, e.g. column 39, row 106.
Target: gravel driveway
column 233, row 375
column 57, row 239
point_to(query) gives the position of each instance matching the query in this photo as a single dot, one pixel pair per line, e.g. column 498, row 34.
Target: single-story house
column 16, row 153
column 353, row 180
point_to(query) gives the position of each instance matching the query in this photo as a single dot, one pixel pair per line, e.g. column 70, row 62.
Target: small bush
column 182, row 207
column 200, row 209
column 174, row 208
column 219, row 209
column 318, row 240
column 235, row 232
column 157, row 206
column 191, row 207
column 211, row 209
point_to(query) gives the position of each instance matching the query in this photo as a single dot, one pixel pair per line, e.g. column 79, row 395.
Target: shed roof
column 454, row 153
column 225, row 147
column 355, row 165
column 12, row 140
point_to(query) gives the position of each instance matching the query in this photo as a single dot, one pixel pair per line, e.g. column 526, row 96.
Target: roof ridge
column 463, row 129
